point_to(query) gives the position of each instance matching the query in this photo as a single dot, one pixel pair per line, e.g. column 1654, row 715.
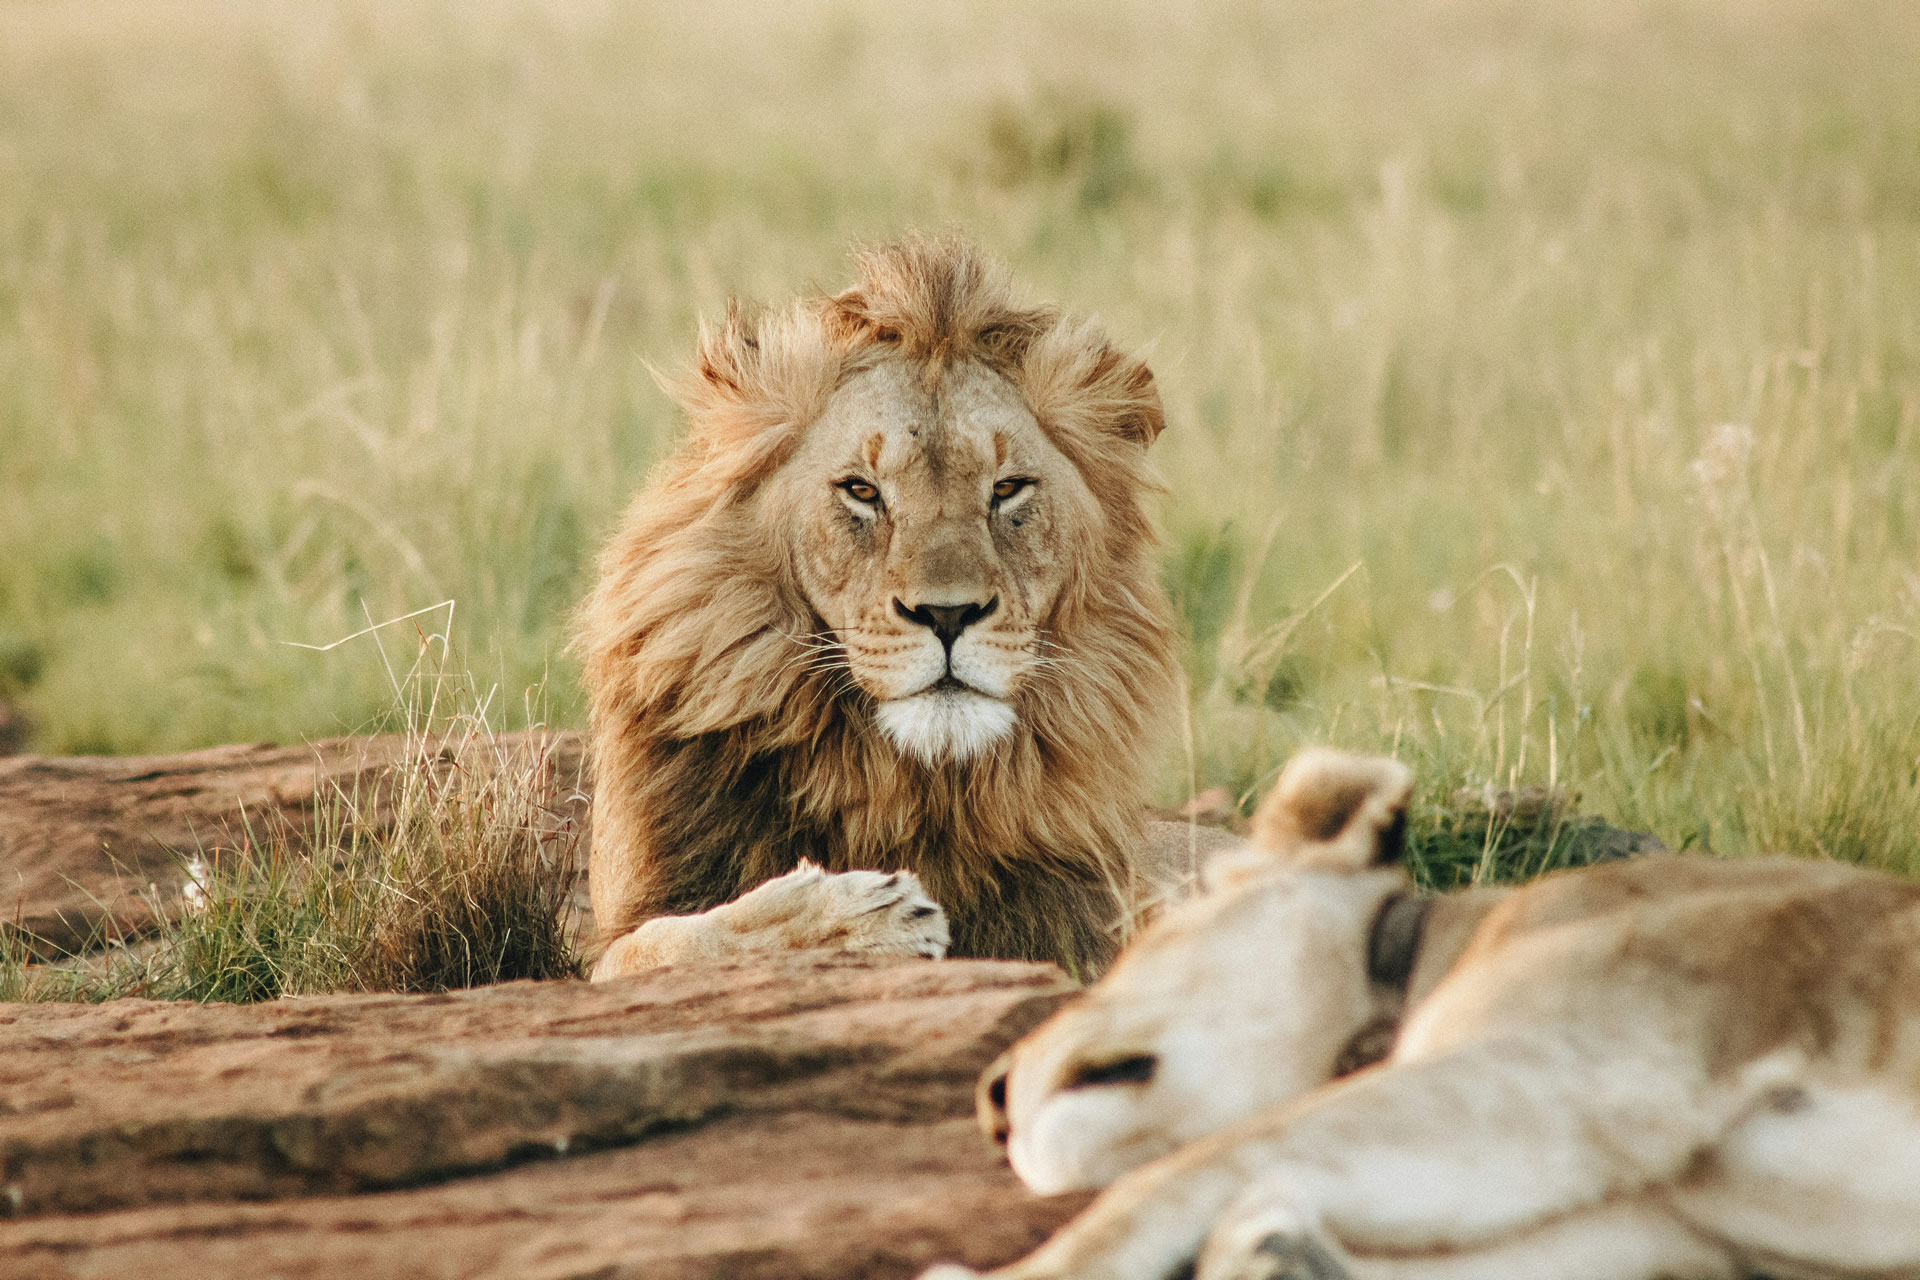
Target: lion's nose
column 946, row 621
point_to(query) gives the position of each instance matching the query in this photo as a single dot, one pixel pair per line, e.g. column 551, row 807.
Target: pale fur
column 1674, row 1066
column 759, row 692
column 806, row 909
column 935, row 728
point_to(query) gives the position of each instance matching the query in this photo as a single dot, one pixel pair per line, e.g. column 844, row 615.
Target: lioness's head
column 893, row 603
column 1250, row 994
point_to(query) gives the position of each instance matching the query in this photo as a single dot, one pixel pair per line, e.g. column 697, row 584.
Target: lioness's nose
column 946, row 621
column 990, row 1099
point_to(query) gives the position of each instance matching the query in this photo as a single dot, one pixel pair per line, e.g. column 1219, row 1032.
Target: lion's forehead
column 949, row 430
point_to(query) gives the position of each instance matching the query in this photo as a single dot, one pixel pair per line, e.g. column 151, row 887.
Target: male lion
column 1672, row 1067
column 891, row 608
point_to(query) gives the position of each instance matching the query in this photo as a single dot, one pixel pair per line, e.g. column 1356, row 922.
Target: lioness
column 891, row 611
column 1677, row 1066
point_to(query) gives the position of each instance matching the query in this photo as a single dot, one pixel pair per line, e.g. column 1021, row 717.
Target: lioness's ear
column 1336, row 812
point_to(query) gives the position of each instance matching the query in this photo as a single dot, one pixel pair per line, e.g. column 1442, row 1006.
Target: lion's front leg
column 873, row 912
column 1525, row 1156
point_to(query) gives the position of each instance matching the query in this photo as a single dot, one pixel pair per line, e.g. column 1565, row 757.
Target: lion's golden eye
column 1008, row 487
column 859, row 490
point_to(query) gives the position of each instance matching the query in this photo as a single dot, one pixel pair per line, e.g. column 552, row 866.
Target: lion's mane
column 721, row 758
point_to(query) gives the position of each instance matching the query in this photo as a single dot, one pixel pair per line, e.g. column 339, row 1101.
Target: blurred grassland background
column 1543, row 379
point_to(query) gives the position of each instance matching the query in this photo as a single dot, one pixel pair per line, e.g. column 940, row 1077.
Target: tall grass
column 454, row 867
column 1544, row 380
column 457, row 871
column 471, row 885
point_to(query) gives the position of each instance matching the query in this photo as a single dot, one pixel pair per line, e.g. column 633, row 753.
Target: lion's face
column 934, row 525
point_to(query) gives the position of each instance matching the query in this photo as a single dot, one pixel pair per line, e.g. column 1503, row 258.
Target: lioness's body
column 1676, row 1066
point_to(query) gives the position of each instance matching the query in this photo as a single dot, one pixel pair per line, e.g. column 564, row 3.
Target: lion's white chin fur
column 941, row 726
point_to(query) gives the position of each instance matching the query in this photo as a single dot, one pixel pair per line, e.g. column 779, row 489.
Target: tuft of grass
column 1494, row 837
column 1084, row 148
column 17, row 980
column 453, row 867
column 473, row 881
column 101, row 971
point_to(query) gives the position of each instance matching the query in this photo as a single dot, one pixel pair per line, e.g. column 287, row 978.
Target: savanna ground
column 1543, row 380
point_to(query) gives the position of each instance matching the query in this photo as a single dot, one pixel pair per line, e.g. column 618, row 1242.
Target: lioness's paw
column 1267, row 1244
column 876, row 912
column 1279, row 1257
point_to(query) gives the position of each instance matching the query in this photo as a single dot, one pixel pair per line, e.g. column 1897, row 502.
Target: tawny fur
column 722, row 757
column 1671, row 1066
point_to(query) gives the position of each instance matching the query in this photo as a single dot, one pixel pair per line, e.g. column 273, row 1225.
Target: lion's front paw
column 877, row 912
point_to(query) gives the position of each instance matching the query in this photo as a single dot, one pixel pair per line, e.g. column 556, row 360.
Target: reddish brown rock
column 802, row 1117
column 82, row 838
column 793, row 1198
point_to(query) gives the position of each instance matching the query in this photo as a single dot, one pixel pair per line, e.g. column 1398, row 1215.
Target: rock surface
column 84, row 838
column 808, row 1116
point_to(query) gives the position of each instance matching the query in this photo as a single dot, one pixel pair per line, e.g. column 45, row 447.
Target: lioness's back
column 1750, row 954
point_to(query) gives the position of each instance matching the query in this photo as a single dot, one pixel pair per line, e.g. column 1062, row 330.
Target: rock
column 87, row 842
column 1490, row 835
column 805, row 1116
column 1543, row 816
column 1527, row 806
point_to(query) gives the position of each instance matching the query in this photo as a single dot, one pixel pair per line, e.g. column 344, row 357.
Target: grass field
column 1543, row 379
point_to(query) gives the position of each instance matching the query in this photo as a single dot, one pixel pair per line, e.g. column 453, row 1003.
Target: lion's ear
column 728, row 355
column 1336, row 812
column 756, row 375
column 1083, row 384
column 1139, row 415
column 848, row 320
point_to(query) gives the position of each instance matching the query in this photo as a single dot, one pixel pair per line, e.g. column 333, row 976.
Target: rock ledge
column 799, row 1117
